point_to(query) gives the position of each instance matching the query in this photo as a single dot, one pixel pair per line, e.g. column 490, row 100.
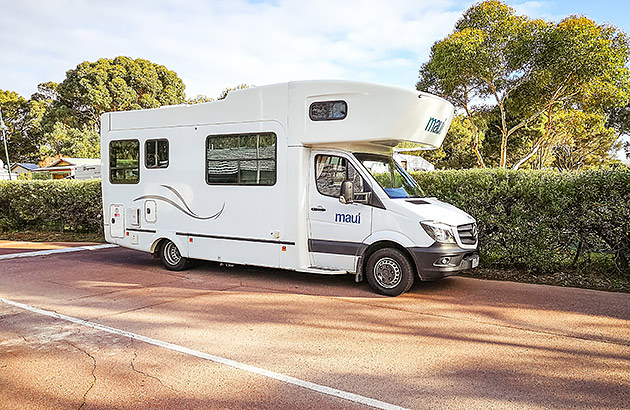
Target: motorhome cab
column 294, row 176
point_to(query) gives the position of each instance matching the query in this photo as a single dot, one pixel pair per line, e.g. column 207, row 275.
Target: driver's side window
column 331, row 171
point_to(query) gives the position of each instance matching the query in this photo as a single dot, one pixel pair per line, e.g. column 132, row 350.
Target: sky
column 215, row 44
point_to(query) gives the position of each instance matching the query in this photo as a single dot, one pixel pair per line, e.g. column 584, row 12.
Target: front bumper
column 441, row 260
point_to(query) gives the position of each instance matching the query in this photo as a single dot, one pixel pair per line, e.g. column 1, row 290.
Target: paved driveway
column 109, row 328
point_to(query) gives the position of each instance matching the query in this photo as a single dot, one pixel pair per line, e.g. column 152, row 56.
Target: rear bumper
column 441, row 260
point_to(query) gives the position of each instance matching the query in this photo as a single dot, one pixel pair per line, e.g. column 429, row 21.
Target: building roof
column 24, row 165
column 75, row 161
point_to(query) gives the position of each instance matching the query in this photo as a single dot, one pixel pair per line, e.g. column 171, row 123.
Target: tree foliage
column 73, row 108
column 22, row 118
column 64, row 119
column 525, row 71
column 226, row 91
column 70, row 142
column 119, row 84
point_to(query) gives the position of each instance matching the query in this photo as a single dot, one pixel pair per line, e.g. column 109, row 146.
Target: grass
column 586, row 278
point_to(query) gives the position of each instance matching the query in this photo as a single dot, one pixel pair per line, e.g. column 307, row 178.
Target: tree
column 118, row 84
column 581, row 140
column 526, row 69
column 71, row 142
column 22, row 118
column 71, row 123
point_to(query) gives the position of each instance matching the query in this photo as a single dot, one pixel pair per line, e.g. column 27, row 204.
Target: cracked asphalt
column 460, row 343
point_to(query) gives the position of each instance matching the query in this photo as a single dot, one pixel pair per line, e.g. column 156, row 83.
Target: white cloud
column 216, row 44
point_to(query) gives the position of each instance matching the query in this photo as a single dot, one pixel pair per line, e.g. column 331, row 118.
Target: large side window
column 124, row 162
column 331, row 171
column 156, row 152
column 241, row 159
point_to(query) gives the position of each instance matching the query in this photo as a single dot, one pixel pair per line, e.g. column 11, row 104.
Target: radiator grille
column 467, row 233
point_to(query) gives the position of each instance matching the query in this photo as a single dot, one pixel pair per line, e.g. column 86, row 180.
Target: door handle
column 318, row 208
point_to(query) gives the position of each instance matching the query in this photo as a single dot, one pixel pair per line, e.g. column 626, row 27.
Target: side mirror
column 347, row 192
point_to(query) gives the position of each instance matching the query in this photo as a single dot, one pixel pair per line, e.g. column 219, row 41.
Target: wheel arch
column 161, row 238
column 370, row 249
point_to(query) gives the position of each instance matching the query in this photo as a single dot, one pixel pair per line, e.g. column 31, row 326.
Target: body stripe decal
column 185, row 208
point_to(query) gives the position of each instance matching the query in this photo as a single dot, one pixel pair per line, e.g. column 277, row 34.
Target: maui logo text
column 434, row 125
column 348, row 218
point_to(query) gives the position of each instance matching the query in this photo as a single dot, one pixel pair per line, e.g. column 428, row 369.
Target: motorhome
column 295, row 176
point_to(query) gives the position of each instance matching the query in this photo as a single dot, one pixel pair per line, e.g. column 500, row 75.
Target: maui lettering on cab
column 348, row 218
column 434, row 125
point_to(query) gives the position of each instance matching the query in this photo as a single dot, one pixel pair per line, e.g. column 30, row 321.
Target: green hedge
column 62, row 205
column 543, row 220
column 534, row 220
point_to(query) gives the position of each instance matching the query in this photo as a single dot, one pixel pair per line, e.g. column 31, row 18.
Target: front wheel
column 389, row 272
column 172, row 258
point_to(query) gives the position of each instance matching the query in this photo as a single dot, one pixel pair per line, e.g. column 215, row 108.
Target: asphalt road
column 111, row 329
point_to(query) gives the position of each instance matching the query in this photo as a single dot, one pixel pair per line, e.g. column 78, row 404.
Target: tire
column 389, row 272
column 172, row 258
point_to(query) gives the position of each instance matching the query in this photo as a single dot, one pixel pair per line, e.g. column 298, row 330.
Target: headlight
column 439, row 231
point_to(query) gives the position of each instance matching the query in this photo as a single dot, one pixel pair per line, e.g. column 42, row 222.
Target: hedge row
column 62, row 205
column 535, row 220
column 543, row 220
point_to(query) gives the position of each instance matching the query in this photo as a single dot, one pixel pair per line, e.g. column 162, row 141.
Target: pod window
column 328, row 110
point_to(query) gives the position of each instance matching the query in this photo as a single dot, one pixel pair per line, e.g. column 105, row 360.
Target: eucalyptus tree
column 119, row 84
column 527, row 70
column 93, row 88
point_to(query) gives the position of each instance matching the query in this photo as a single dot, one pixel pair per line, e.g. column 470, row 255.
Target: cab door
column 337, row 230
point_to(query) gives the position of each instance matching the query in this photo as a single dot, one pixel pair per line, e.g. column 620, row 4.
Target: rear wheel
column 389, row 272
column 172, row 258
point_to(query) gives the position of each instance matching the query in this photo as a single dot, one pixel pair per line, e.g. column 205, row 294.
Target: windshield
column 396, row 182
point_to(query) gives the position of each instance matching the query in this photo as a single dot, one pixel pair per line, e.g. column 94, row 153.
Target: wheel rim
column 171, row 254
column 388, row 273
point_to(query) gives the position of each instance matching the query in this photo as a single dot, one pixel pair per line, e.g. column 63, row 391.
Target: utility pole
column 3, row 127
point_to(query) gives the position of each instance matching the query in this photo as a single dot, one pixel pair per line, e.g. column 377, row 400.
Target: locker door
column 116, row 227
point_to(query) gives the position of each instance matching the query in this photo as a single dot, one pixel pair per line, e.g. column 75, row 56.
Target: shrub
column 534, row 220
column 542, row 220
column 64, row 205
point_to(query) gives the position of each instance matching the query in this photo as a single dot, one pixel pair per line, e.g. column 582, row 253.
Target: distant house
column 75, row 168
column 5, row 174
column 22, row 167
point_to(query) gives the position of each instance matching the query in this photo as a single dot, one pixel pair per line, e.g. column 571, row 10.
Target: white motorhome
column 295, row 176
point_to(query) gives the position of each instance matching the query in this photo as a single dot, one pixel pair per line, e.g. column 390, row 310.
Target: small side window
column 124, row 162
column 156, row 152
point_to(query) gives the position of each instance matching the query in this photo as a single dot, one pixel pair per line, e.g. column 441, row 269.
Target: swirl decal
column 183, row 207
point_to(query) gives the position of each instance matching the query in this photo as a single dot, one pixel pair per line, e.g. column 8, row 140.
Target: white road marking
column 356, row 398
column 53, row 251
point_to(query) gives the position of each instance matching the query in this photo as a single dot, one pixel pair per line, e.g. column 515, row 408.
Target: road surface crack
column 135, row 356
column 93, row 372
